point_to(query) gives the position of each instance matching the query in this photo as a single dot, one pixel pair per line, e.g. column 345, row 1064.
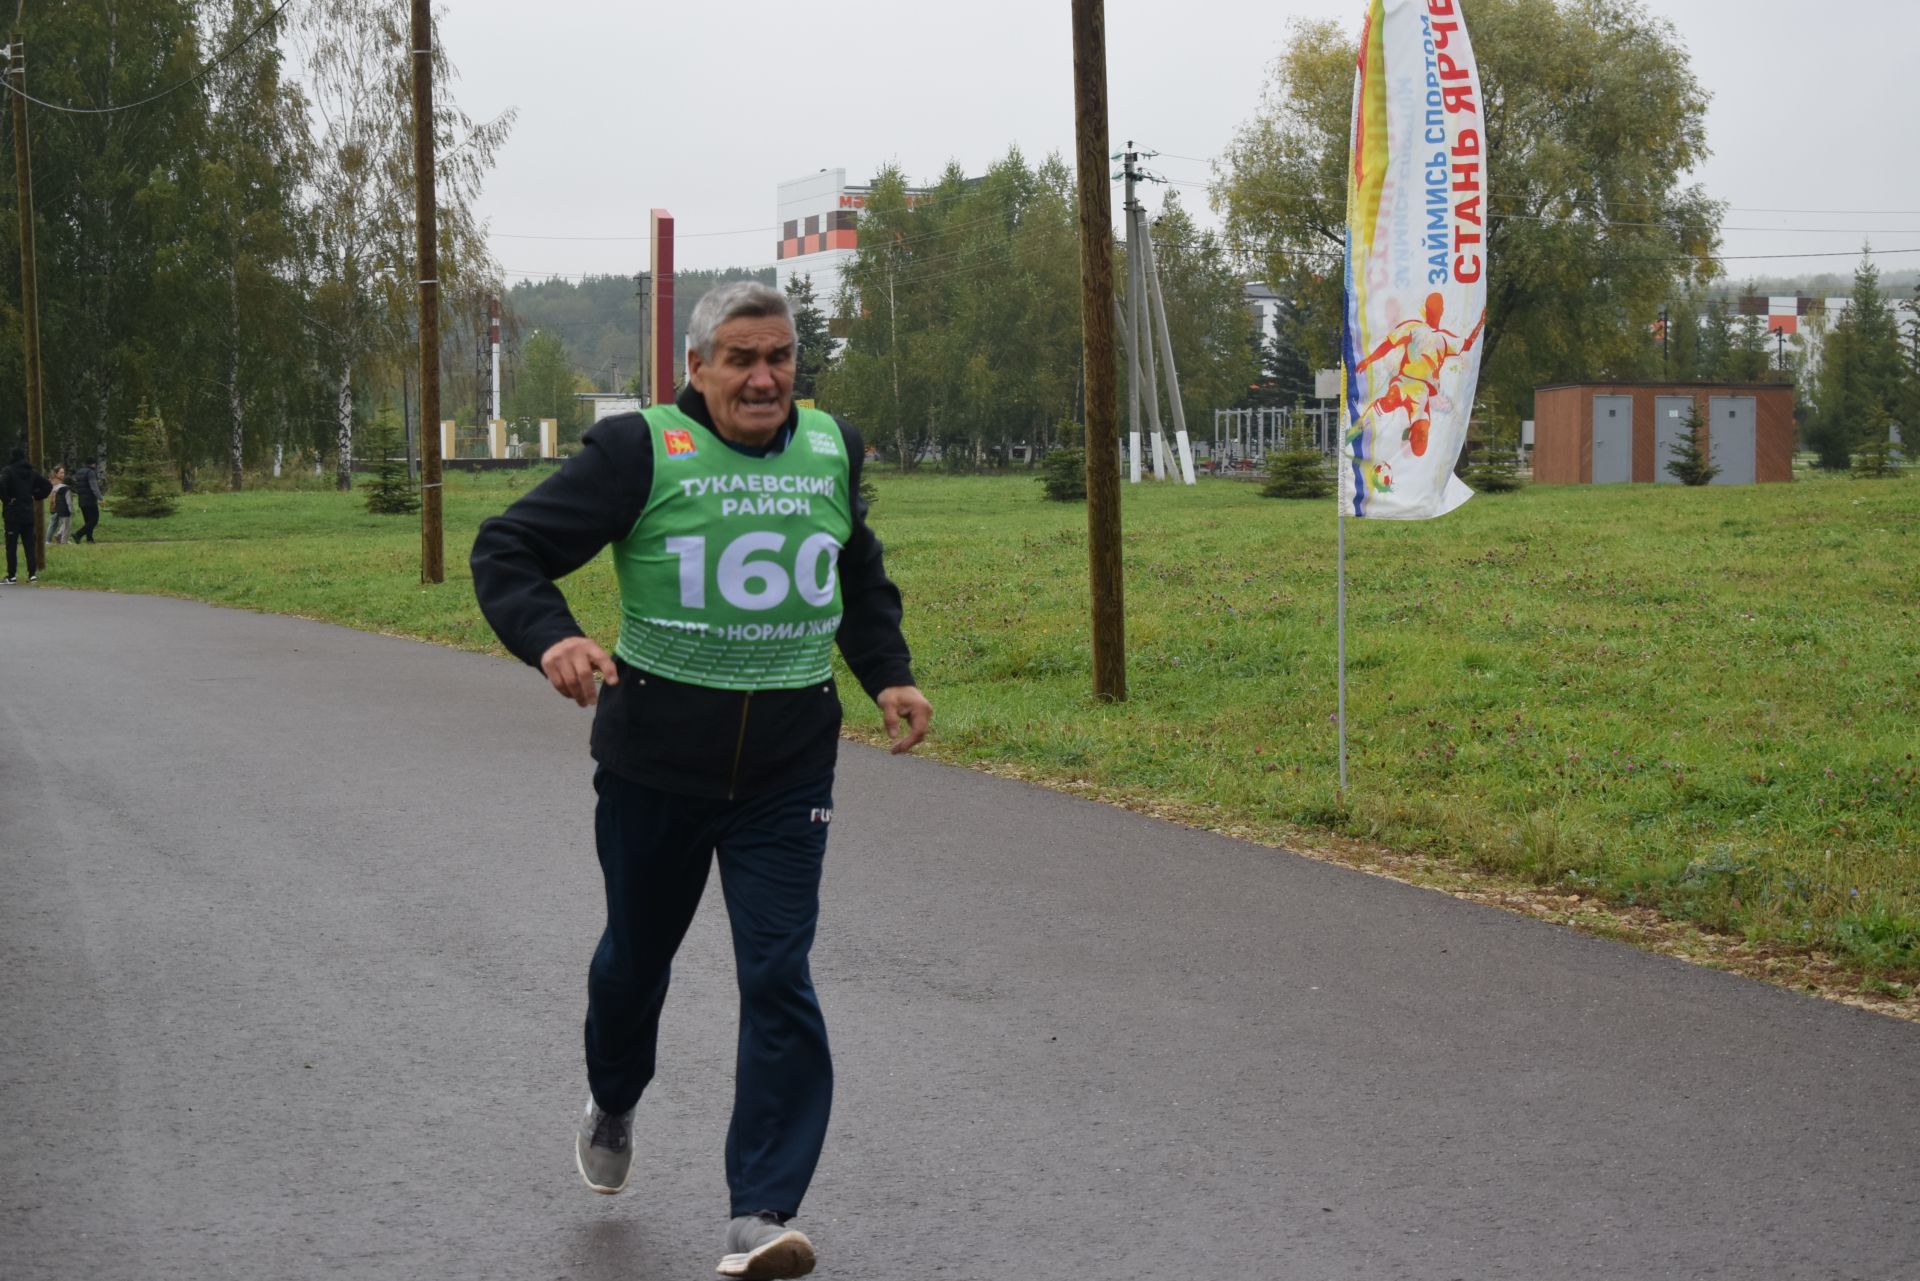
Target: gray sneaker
column 603, row 1149
column 761, row 1248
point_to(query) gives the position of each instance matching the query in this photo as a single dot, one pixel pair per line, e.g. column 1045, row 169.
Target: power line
column 922, row 202
column 932, row 233
column 1864, row 213
column 1620, row 222
column 195, row 77
column 1844, row 253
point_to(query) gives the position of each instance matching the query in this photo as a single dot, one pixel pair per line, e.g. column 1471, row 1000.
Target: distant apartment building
column 1807, row 320
column 819, row 230
column 1263, row 304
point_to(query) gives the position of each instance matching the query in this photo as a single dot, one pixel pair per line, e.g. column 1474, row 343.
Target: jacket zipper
column 740, row 745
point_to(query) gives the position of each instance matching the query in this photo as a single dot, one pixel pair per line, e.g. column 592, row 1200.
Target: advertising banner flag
column 1416, row 266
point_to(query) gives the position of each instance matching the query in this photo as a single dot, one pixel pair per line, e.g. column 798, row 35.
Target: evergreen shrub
column 1300, row 470
column 391, row 493
column 1689, row 462
column 1496, row 464
column 1063, row 477
column 145, row 484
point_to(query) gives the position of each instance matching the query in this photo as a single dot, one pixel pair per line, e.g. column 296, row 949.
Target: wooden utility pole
column 29, row 285
column 1105, row 572
column 432, row 545
column 645, row 294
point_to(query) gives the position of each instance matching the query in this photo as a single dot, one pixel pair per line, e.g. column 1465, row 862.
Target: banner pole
column 1340, row 615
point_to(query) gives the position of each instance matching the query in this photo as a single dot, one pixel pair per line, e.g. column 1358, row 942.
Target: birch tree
column 361, row 193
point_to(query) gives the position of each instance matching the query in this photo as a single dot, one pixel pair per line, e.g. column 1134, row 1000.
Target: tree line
column 229, row 244
column 237, row 252
column 1593, row 118
column 962, row 337
column 567, row 336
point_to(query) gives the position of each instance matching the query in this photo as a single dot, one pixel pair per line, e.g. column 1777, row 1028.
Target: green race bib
column 730, row 578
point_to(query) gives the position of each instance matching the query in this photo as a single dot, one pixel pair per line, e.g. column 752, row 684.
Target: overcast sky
column 705, row 113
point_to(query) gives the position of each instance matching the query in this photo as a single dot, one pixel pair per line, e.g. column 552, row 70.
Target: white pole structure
column 1133, row 382
column 493, row 336
column 1137, row 259
column 1340, row 596
column 1130, row 456
column 1131, row 329
column 1159, row 300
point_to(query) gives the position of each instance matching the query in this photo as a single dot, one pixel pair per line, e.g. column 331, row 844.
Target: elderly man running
column 742, row 553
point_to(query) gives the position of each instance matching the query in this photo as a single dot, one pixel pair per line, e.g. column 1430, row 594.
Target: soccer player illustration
column 1425, row 349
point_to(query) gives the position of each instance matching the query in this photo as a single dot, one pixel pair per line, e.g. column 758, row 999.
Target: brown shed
column 1608, row 433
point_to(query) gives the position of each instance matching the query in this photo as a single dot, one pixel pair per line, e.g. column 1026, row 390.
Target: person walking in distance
column 59, row 508
column 88, row 491
column 20, row 487
column 742, row 554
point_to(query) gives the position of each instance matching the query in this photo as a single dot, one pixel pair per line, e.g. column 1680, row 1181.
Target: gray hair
column 730, row 302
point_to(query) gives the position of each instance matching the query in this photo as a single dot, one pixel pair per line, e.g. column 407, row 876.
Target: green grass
column 1701, row 700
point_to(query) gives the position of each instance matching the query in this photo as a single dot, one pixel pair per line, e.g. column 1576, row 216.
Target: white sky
column 1811, row 110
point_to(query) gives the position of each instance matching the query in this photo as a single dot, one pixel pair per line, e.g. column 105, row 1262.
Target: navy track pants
column 655, row 848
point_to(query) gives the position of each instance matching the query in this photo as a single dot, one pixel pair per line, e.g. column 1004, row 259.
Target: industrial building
column 1616, row 433
column 819, row 230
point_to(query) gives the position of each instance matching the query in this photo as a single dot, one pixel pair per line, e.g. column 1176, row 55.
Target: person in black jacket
column 20, row 487
column 696, row 754
column 86, row 488
column 60, row 508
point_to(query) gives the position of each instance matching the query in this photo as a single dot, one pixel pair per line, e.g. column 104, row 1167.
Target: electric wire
column 1863, row 213
column 237, row 46
column 920, row 202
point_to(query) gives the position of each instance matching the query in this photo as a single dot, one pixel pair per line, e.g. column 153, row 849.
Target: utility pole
column 644, row 282
column 1157, row 317
column 29, row 284
column 1663, row 343
column 1780, row 342
column 1128, row 159
column 407, row 426
column 426, row 232
column 893, row 359
column 1142, row 334
column 1146, row 320
column 1106, row 571
column 481, row 392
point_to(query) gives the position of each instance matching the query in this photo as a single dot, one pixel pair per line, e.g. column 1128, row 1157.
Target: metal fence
column 1242, row 438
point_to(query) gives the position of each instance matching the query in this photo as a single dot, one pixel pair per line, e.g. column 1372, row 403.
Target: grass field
column 1701, row 700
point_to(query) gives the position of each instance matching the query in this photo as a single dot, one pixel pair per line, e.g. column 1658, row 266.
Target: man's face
column 749, row 382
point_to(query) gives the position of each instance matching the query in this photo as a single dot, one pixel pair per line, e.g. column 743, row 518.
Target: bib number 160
column 747, row 583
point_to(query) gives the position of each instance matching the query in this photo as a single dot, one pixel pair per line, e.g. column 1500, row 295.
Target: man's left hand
column 904, row 702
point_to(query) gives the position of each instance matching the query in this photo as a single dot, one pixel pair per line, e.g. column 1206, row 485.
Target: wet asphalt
column 294, row 924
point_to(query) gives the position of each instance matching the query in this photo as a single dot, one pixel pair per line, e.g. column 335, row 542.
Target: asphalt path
column 294, row 924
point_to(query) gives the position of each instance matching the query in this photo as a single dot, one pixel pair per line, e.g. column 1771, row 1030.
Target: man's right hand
column 570, row 666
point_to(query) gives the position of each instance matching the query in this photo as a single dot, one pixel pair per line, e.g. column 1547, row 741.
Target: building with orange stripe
column 819, row 230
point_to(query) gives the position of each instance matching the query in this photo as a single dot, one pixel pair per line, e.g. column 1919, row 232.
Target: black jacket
column 20, row 484
column 660, row 732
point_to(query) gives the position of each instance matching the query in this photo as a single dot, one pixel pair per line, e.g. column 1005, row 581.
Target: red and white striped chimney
column 493, row 337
